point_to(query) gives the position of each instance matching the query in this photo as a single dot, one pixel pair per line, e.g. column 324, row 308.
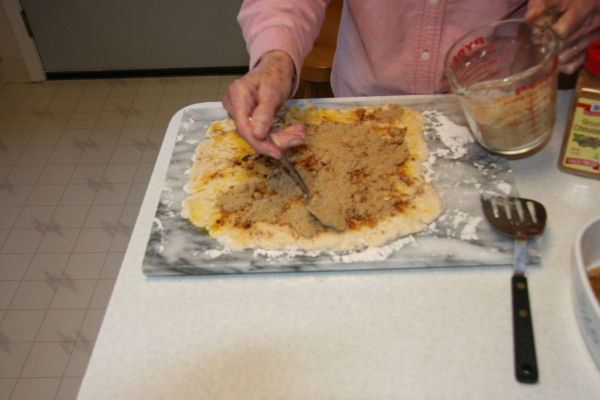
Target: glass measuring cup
column 505, row 76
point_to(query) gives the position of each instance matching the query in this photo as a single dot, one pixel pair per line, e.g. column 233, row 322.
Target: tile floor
column 75, row 160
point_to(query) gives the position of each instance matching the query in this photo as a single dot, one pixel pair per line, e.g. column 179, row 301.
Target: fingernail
column 272, row 154
column 275, row 141
column 295, row 142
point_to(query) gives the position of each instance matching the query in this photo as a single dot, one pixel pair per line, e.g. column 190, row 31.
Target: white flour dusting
column 167, row 197
column 367, row 254
column 214, row 253
column 453, row 136
column 284, row 254
column 178, row 244
column 501, row 189
column 469, row 230
column 454, row 139
column 375, row 253
column 460, row 224
column 504, row 188
column 428, row 164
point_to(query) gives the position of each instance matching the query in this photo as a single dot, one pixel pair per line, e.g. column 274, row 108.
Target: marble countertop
column 380, row 334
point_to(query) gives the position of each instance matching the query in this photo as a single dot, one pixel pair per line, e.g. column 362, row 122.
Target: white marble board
column 459, row 237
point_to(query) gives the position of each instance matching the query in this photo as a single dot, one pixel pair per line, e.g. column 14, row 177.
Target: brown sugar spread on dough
column 328, row 212
column 353, row 167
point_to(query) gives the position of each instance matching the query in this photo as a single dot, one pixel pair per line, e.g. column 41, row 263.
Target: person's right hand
column 578, row 25
column 254, row 99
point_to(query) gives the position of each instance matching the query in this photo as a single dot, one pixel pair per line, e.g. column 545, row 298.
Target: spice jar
column 580, row 152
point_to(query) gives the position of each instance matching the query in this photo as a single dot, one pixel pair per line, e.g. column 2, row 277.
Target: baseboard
column 136, row 73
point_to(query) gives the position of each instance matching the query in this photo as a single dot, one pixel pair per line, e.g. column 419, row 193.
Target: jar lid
column 592, row 58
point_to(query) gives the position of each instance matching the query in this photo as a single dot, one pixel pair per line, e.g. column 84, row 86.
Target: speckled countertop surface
column 381, row 334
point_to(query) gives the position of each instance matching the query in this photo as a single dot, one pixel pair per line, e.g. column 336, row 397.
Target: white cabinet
column 125, row 35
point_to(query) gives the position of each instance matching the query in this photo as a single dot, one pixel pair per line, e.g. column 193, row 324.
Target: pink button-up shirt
column 384, row 47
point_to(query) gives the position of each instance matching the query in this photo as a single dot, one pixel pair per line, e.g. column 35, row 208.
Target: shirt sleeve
column 290, row 25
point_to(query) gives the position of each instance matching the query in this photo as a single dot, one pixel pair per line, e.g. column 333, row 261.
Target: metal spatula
column 520, row 219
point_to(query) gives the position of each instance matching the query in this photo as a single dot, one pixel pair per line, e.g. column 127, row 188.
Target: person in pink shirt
column 384, row 47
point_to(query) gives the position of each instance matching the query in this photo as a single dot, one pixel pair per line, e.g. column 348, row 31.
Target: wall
column 12, row 65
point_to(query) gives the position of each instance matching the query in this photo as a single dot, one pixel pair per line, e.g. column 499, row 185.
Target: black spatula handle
column 526, row 369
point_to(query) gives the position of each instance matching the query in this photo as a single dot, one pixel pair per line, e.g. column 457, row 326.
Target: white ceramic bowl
column 586, row 254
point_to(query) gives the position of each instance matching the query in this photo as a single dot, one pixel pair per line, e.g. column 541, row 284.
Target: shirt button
column 433, row 2
column 425, row 56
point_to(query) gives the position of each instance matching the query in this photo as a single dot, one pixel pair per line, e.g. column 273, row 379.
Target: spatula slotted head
column 515, row 216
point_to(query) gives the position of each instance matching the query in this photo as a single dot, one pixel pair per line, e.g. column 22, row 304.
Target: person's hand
column 578, row 25
column 254, row 99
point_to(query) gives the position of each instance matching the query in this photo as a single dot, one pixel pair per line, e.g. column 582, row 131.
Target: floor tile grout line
column 97, row 281
column 24, row 379
column 33, row 252
column 45, row 311
column 60, row 385
column 60, row 280
column 64, row 308
column 46, row 164
column 159, row 121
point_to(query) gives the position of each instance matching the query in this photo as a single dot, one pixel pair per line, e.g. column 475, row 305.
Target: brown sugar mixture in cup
column 594, row 276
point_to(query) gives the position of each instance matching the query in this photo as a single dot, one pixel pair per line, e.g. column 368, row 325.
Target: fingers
column 578, row 28
column 290, row 136
column 572, row 65
column 254, row 129
column 535, row 9
column 573, row 55
column 276, row 74
column 254, row 99
column 265, row 147
column 241, row 104
column 568, row 23
column 263, row 114
column 280, row 139
column 577, row 23
column 577, row 18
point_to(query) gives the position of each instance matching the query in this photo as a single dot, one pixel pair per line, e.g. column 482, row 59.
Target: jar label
column 582, row 151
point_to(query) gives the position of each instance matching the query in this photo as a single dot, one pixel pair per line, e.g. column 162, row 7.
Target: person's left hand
column 577, row 26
